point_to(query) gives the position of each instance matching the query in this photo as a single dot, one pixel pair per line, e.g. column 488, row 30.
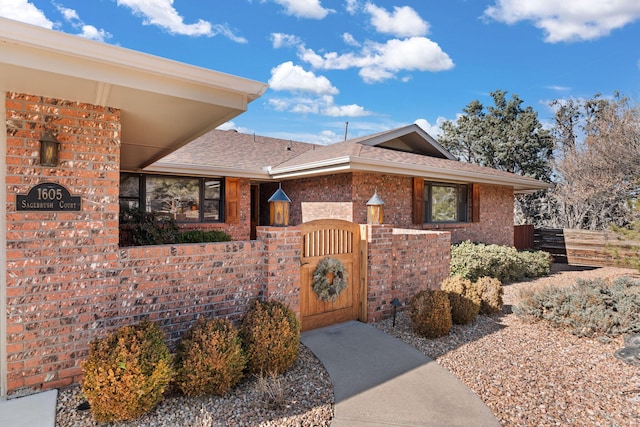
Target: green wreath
column 329, row 291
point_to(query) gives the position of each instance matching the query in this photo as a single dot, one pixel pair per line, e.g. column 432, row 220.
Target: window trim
column 462, row 194
column 142, row 195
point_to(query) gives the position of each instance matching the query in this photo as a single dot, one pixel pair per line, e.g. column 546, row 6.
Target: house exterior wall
column 60, row 266
column 496, row 219
column 354, row 190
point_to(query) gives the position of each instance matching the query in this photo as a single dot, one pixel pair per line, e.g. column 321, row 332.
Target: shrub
column 203, row 236
column 210, row 358
column 464, row 299
column 127, row 372
column 146, row 228
column 271, row 337
column 588, row 308
column 430, row 313
column 475, row 260
column 491, row 292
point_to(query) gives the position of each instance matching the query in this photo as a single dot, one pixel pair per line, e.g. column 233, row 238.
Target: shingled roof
column 404, row 151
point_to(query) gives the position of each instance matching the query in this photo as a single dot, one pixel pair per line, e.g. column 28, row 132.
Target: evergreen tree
column 505, row 136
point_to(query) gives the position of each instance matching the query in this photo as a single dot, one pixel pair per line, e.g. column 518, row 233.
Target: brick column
column 282, row 264
column 380, row 271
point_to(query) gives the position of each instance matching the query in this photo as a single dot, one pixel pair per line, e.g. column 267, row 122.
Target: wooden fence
column 588, row 248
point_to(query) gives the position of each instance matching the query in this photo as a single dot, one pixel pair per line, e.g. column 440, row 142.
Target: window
column 184, row 199
column 445, row 202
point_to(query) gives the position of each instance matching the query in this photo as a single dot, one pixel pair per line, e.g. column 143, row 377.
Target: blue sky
column 374, row 64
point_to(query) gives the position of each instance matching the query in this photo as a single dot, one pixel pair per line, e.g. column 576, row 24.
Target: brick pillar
column 61, row 266
column 380, row 271
column 282, row 264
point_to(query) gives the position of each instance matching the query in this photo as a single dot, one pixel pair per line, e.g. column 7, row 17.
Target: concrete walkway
column 36, row 410
column 381, row 381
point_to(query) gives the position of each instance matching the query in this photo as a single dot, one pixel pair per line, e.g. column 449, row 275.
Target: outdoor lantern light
column 279, row 208
column 374, row 209
column 49, row 149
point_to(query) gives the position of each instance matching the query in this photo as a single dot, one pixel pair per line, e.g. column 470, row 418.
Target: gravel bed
column 531, row 374
column 305, row 398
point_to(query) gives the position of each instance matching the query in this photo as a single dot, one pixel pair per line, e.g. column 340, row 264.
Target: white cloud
column 558, row 88
column 284, row 40
column 314, row 94
column 304, row 8
column 24, row 11
column 381, row 61
column 322, row 105
column 164, row 15
column 86, row 31
column 350, row 40
column 433, row 130
column 351, row 6
column 294, row 78
column 403, row 22
column 568, row 20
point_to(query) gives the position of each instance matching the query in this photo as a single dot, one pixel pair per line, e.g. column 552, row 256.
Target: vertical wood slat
column 326, row 242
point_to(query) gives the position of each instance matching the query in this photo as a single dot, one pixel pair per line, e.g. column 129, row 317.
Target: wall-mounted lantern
column 375, row 214
column 279, row 208
column 49, row 150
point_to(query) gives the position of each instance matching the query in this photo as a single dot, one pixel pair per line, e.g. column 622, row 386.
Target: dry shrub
column 591, row 308
column 210, row 358
column 127, row 372
column 464, row 299
column 491, row 292
column 430, row 313
column 271, row 336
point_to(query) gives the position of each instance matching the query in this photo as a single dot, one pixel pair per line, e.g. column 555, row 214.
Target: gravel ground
column 529, row 374
column 305, row 398
column 533, row 374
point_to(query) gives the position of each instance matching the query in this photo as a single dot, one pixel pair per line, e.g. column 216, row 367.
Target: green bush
column 203, row 236
column 463, row 298
column 592, row 308
column 271, row 337
column 127, row 372
column 430, row 313
column 491, row 291
column 146, row 228
column 210, row 358
column 475, row 260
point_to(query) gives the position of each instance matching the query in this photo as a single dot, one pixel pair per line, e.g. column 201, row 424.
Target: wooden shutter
column 418, row 201
column 232, row 200
column 475, row 202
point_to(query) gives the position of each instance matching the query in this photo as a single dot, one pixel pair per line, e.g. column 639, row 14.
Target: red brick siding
column 419, row 260
column 395, row 191
column 282, row 264
column 59, row 264
column 496, row 219
column 174, row 284
column 333, row 188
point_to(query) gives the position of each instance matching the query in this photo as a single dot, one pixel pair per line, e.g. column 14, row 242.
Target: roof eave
column 196, row 170
column 520, row 184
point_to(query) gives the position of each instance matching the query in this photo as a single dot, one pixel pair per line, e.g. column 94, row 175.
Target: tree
column 598, row 163
column 505, row 136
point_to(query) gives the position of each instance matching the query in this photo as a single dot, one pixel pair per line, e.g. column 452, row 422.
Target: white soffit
column 164, row 104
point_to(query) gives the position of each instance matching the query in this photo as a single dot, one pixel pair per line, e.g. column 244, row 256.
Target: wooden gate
column 339, row 240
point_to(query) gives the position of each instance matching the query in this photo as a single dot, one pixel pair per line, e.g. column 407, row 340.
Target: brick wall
column 282, row 264
column 496, row 219
column 60, row 265
column 355, row 189
column 403, row 262
column 68, row 281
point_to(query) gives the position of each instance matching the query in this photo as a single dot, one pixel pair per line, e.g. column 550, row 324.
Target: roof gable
column 411, row 139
